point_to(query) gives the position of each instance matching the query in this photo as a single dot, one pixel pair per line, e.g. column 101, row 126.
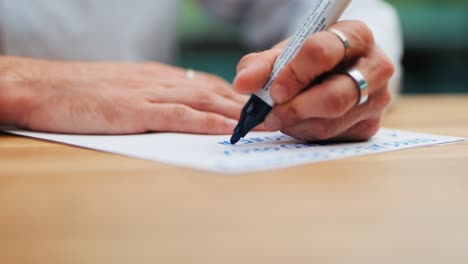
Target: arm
column 113, row 98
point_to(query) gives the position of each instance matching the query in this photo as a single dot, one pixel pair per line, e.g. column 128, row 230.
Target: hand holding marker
column 324, row 13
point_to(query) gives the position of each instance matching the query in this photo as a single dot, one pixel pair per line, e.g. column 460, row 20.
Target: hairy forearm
column 15, row 96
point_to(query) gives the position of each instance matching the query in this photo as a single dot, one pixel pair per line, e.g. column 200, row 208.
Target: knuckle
column 295, row 75
column 369, row 129
column 218, row 84
column 180, row 112
column 292, row 115
column 315, row 47
column 322, row 130
column 230, row 94
column 335, row 105
column 226, row 93
column 381, row 100
column 363, row 33
column 319, row 51
column 204, row 100
column 386, row 98
column 211, row 123
column 386, row 66
column 141, row 117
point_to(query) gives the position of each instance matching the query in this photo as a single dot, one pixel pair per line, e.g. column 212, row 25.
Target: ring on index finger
column 343, row 39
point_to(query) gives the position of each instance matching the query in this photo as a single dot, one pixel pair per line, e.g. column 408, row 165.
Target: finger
column 362, row 131
column 240, row 98
column 335, row 129
column 260, row 127
column 321, row 53
column 213, row 84
column 254, row 70
column 335, row 96
column 324, row 129
column 224, row 89
column 204, row 81
column 199, row 99
column 183, row 119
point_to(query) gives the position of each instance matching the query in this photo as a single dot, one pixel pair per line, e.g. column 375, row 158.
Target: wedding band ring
column 363, row 86
column 190, row 74
column 343, row 39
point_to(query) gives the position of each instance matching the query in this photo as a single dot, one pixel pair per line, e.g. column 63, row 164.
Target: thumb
column 254, row 70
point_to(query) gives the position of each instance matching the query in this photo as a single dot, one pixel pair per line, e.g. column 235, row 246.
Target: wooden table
column 60, row 204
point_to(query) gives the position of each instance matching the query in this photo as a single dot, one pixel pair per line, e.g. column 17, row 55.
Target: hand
column 315, row 100
column 103, row 98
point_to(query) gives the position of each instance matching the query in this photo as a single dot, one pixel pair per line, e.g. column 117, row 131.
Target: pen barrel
column 323, row 14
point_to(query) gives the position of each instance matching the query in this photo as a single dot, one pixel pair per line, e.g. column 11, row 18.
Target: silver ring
column 343, row 39
column 190, row 74
column 361, row 81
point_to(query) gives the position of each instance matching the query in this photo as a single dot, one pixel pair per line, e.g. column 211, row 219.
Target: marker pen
column 324, row 13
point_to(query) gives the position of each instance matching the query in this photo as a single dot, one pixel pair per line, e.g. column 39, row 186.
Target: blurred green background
column 435, row 33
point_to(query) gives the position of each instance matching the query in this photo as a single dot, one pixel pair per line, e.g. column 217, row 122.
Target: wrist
column 15, row 96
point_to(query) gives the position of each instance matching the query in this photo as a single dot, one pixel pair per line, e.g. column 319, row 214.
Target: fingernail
column 272, row 123
column 279, row 93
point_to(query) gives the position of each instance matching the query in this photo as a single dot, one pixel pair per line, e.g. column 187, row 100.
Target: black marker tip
column 253, row 114
column 235, row 138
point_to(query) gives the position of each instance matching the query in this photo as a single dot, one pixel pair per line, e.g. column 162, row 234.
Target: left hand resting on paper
column 114, row 98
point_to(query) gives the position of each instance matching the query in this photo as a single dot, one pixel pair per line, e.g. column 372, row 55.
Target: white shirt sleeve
column 263, row 22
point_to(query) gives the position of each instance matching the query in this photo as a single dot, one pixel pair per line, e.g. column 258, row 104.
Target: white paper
column 259, row 151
